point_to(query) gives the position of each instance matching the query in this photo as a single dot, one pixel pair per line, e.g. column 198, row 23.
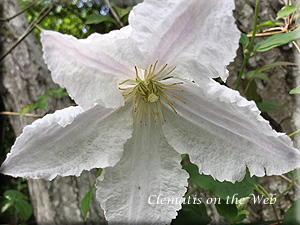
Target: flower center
column 152, row 98
column 147, row 92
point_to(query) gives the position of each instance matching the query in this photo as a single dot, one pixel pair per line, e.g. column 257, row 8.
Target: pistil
column 148, row 91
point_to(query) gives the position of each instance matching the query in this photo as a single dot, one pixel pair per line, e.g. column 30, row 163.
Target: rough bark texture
column 24, row 77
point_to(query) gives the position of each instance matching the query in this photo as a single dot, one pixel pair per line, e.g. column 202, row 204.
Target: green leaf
column 191, row 214
column 241, row 205
column 295, row 90
column 5, row 204
column 229, row 212
column 224, row 189
column 277, row 40
column 86, row 201
column 240, row 217
column 125, row 19
column 42, row 101
column 292, row 216
column 57, row 93
column 279, row 63
column 267, row 24
column 24, row 208
column 17, row 200
column 13, row 195
column 295, row 174
column 121, row 12
column 252, row 94
column 260, row 75
column 286, row 10
column 27, row 108
column 267, row 106
column 98, row 18
column 258, row 72
column 244, row 40
column 244, row 212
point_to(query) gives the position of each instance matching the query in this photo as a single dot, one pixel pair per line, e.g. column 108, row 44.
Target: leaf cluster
column 69, row 17
column 42, row 102
column 13, row 199
column 280, row 38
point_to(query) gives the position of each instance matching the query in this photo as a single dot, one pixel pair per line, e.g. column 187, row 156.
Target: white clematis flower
column 145, row 96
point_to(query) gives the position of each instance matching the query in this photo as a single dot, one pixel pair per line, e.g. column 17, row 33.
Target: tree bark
column 24, row 77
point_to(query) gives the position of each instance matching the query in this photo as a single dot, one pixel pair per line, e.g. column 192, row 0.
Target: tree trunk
column 24, row 77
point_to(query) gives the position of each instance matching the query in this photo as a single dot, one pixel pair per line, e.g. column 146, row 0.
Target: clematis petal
column 195, row 31
column 93, row 66
column 69, row 141
column 148, row 170
column 223, row 133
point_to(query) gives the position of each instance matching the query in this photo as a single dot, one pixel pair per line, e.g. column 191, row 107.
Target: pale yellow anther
column 148, row 90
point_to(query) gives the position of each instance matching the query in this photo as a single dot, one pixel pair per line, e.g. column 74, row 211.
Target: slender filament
column 147, row 92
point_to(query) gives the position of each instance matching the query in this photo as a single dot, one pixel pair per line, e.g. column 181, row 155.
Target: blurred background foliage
column 79, row 18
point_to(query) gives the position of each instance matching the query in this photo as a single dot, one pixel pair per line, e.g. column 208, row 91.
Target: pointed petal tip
column 69, row 141
column 226, row 134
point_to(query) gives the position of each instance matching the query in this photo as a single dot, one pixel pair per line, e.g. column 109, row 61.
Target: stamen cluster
column 148, row 91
